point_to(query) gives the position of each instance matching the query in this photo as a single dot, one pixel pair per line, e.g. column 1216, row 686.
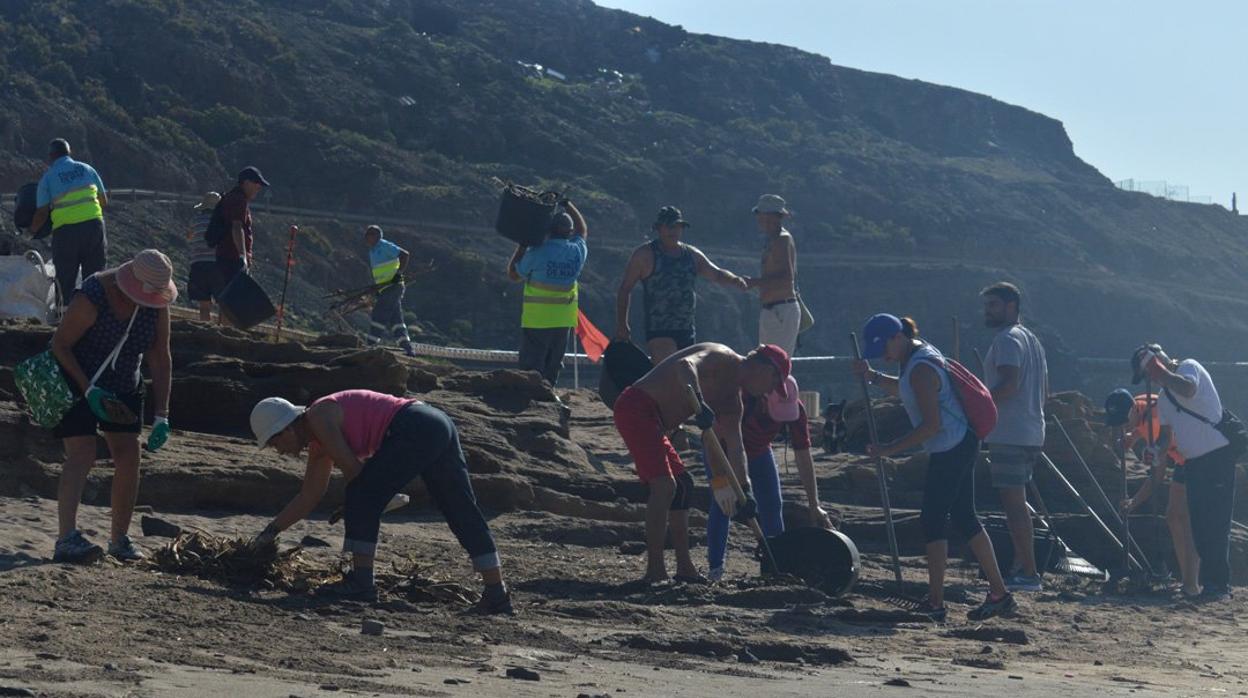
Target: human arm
column 578, row 220
column 78, row 318
column 633, row 273
column 101, row 194
column 160, row 364
column 885, row 382
column 325, row 421
column 1008, row 380
column 514, row 262
column 404, row 258
column 315, row 482
column 727, row 428
column 706, row 269
column 926, row 385
column 806, row 472
column 240, row 242
column 1182, row 385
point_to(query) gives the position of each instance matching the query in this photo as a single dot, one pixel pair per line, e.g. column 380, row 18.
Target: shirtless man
column 658, row 403
column 780, row 316
column 667, row 269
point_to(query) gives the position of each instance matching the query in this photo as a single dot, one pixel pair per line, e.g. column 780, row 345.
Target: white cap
column 270, row 416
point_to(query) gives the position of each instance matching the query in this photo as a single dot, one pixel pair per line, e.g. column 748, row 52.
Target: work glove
column 725, row 498
column 108, row 408
column 746, row 511
column 267, row 536
column 705, row 418
column 159, row 434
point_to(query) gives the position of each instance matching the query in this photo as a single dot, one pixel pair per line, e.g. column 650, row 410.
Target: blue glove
column 108, row 408
column 159, row 434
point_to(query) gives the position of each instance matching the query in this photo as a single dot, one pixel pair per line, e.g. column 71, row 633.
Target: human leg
column 124, row 448
column 79, row 459
column 1179, row 522
column 66, row 257
column 451, row 490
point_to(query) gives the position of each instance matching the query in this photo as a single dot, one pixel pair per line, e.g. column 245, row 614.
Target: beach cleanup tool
column 244, row 303
column 1138, row 558
column 1070, row 489
column 623, row 363
column 719, row 466
column 879, row 468
column 398, row 501
column 290, row 264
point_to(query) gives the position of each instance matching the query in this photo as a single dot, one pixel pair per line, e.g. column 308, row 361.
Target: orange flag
column 594, row 341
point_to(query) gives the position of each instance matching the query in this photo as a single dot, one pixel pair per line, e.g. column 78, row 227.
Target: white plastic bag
column 26, row 287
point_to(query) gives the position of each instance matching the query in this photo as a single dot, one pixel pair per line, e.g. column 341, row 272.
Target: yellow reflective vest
column 547, row 306
column 76, row 206
column 385, row 271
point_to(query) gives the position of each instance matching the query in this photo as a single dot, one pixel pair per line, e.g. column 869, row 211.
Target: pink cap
column 783, row 404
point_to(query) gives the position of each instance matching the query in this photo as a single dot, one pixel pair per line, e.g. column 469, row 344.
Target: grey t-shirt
column 1020, row 418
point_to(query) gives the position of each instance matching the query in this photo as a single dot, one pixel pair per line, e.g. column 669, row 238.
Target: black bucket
column 24, row 211
column 524, row 215
column 623, row 363
column 244, row 303
column 825, row 560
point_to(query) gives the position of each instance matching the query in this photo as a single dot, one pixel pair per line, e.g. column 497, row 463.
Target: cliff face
column 903, row 190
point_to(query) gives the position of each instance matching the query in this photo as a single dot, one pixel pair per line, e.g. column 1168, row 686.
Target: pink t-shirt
column 366, row 416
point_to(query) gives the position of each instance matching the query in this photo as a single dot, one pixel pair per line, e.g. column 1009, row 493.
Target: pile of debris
column 238, row 562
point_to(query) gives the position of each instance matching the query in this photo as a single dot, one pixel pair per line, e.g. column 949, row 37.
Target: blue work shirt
column 63, row 175
column 557, row 262
column 383, row 260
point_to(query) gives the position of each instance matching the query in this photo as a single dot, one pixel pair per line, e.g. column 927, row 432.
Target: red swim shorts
column 640, row 423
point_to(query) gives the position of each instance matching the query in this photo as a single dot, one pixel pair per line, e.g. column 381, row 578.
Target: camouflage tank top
column 668, row 291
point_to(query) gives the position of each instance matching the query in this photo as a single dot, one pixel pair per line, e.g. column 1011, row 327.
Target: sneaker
column 1024, row 582
column 124, row 550
column 495, row 600
column 347, row 589
column 1213, row 595
column 715, row 574
column 1003, row 606
column 76, row 549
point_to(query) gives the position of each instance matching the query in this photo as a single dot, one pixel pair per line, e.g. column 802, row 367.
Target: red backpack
column 973, row 395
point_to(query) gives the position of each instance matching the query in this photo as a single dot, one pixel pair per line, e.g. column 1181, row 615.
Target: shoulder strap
column 111, row 361
column 1184, row 410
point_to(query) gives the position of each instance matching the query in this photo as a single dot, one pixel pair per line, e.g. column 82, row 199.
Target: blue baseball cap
column 876, row 333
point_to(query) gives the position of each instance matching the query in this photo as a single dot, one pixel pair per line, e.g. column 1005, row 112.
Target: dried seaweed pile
column 411, row 583
column 238, row 562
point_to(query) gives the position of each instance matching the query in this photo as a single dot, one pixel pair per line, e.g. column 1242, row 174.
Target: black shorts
column 201, row 283
column 683, row 338
column 81, row 421
column 226, row 269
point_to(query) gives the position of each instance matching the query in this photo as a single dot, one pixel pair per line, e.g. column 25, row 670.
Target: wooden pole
column 290, row 264
column 879, row 470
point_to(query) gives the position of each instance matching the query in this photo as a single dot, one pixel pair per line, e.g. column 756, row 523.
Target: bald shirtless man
column 780, row 316
column 667, row 270
column 658, row 403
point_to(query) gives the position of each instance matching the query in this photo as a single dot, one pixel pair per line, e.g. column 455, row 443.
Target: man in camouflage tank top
column 667, row 269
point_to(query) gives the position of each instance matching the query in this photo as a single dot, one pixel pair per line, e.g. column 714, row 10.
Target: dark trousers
column 949, row 493
column 387, row 318
column 78, row 246
column 542, row 350
column 420, row 442
column 1211, row 500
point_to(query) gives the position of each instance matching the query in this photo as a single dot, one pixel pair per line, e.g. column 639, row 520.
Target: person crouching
column 380, row 443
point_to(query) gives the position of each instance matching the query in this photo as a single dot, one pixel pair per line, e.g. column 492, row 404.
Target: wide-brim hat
column 148, row 279
column 771, row 203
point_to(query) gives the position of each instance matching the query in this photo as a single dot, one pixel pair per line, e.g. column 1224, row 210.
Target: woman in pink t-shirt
column 381, row 443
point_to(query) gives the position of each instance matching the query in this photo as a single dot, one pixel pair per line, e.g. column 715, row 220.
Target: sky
column 1147, row 90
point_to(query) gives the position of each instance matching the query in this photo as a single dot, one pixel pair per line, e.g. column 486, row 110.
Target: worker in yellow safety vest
column 387, row 261
column 550, row 272
column 74, row 195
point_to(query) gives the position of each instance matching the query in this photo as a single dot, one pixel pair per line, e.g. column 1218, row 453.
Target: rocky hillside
column 909, row 196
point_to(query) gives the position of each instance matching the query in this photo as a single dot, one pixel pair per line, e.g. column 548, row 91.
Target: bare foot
column 655, row 577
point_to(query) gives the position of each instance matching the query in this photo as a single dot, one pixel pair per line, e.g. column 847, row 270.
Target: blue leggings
column 766, row 489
